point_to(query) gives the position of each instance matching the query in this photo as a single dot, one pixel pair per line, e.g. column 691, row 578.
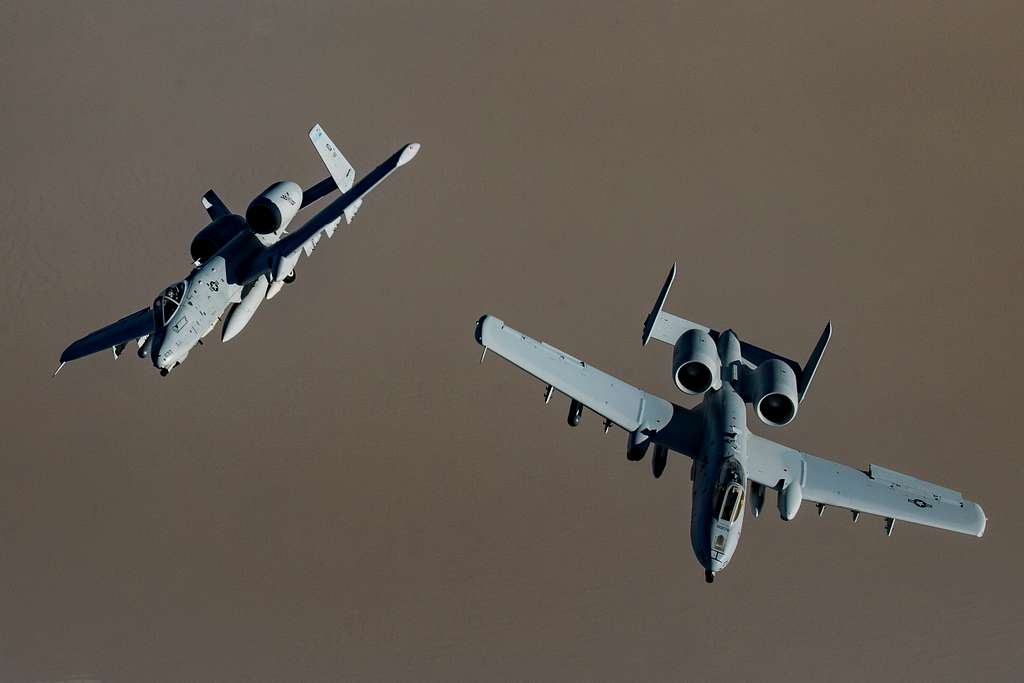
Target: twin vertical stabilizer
column 668, row 328
column 337, row 165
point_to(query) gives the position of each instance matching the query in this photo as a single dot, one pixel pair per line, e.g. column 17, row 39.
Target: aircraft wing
column 619, row 402
column 331, row 214
column 126, row 329
column 326, row 219
column 878, row 491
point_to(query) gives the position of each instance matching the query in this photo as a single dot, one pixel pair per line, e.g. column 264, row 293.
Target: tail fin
column 337, row 165
column 667, row 328
column 652, row 317
column 214, row 206
column 663, row 326
column 807, row 372
column 342, row 172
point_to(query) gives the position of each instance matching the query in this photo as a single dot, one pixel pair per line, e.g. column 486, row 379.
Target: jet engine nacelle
column 774, row 393
column 790, row 499
column 696, row 366
column 274, row 208
column 214, row 236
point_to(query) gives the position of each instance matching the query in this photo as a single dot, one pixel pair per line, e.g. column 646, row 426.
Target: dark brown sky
column 343, row 493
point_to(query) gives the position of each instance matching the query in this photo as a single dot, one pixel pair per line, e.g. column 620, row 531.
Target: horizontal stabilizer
column 318, row 191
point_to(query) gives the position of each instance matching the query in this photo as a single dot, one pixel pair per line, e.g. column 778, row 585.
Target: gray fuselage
column 207, row 293
column 719, row 479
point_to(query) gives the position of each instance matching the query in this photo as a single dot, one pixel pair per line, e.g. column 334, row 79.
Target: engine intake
column 774, row 392
column 696, row 366
column 214, row 236
column 274, row 208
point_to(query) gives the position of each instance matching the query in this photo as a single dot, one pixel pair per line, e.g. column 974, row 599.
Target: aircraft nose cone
column 164, row 359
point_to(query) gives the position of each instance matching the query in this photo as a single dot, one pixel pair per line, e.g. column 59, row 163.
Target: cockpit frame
column 168, row 302
column 730, row 502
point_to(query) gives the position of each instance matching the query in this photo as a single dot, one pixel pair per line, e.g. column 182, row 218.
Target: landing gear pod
column 636, row 446
column 659, row 461
column 146, row 347
column 757, row 492
column 575, row 413
column 790, row 499
column 241, row 313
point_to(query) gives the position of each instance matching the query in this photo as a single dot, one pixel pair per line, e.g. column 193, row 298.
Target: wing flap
column 914, row 484
column 879, row 492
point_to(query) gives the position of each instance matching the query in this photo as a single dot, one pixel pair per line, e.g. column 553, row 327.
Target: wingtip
column 827, row 332
column 478, row 329
column 62, row 363
column 408, row 152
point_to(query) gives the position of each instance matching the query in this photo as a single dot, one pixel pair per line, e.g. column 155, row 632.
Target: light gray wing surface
column 622, row 403
column 879, row 491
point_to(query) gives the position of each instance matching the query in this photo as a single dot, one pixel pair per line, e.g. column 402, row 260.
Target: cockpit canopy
column 167, row 303
column 730, row 502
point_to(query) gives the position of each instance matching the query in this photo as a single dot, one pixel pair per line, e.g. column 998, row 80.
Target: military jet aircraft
column 728, row 373
column 239, row 261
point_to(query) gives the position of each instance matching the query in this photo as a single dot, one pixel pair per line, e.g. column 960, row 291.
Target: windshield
column 167, row 302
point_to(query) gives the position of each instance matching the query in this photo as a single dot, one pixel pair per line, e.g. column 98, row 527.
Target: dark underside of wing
column 130, row 327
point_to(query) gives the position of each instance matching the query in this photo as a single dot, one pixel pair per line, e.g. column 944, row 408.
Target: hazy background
column 344, row 493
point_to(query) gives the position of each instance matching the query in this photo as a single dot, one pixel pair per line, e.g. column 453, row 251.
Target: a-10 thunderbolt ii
column 239, row 261
column 729, row 373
